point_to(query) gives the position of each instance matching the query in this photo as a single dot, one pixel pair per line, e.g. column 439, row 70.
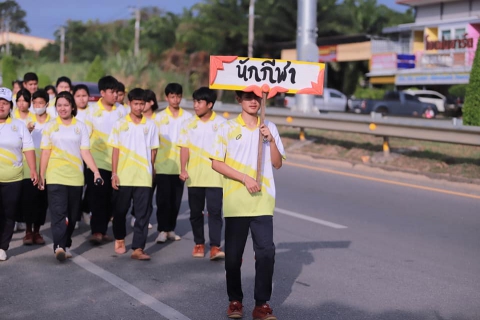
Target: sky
column 43, row 18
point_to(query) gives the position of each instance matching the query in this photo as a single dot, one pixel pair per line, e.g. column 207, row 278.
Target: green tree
column 95, row 70
column 9, row 70
column 471, row 107
column 13, row 14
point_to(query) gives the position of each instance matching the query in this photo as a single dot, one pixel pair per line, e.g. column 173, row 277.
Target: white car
column 430, row 96
column 331, row 100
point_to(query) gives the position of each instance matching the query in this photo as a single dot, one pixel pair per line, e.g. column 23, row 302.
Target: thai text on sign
column 266, row 75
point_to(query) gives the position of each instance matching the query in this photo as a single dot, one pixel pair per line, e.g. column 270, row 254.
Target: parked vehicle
column 443, row 103
column 93, row 89
column 331, row 100
column 396, row 103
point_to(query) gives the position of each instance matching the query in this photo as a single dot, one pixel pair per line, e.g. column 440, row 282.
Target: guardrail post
column 302, row 134
column 386, row 147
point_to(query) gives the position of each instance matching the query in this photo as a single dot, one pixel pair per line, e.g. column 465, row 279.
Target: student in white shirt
column 15, row 141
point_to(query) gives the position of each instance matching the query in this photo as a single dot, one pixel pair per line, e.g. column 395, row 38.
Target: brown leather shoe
column 120, row 247
column 139, row 254
column 107, row 238
column 96, row 238
column 263, row 312
column 28, row 239
column 235, row 310
column 38, row 239
column 216, row 253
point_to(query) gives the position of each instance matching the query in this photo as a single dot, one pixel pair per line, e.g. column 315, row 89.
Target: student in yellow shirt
column 134, row 140
column 15, row 141
column 63, row 84
column 30, row 82
column 52, row 92
column 33, row 207
column 167, row 165
column 248, row 206
column 203, row 182
column 150, row 110
column 16, row 86
column 64, row 144
column 100, row 120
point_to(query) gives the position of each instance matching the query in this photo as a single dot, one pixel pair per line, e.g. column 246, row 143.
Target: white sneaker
column 15, row 227
column 172, row 236
column 86, row 217
column 150, row 226
column 162, row 237
column 68, row 253
column 60, row 254
column 21, row 226
column 132, row 222
column 3, row 255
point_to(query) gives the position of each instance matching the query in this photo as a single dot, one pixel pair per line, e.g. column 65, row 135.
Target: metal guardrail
column 449, row 131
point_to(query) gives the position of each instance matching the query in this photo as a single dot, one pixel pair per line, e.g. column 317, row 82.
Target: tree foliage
column 9, row 70
column 471, row 107
column 95, row 70
column 12, row 13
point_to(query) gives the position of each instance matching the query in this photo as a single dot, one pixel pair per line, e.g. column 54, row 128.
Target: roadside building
column 435, row 52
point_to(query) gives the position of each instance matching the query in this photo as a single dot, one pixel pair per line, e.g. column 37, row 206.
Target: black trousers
column 196, row 201
column 100, row 201
column 64, row 205
column 121, row 203
column 33, row 203
column 150, row 202
column 169, row 199
column 236, row 232
column 9, row 202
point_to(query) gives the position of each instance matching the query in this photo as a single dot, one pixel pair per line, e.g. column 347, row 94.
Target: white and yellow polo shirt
column 14, row 140
column 82, row 114
column 237, row 146
column 197, row 136
column 99, row 123
column 135, row 143
column 37, row 139
column 31, row 117
column 168, row 156
column 65, row 165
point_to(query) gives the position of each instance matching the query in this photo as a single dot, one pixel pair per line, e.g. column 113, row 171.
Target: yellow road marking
column 358, row 176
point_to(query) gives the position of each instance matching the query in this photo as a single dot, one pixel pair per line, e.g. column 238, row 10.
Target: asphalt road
column 351, row 244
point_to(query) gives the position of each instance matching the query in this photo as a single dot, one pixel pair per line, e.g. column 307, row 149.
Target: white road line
column 311, row 219
column 137, row 294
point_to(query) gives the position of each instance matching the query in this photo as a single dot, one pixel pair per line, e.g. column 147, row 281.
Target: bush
column 9, row 71
column 369, row 93
column 458, row 90
column 471, row 107
column 95, row 70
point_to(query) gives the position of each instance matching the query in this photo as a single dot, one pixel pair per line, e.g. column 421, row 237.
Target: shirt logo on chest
column 14, row 128
column 77, row 130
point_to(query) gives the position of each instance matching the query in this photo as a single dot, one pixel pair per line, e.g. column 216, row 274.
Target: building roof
column 29, row 42
column 421, row 2
column 433, row 23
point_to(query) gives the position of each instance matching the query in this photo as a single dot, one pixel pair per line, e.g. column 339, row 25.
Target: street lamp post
column 251, row 25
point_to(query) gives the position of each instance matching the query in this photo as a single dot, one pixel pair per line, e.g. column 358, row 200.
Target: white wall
column 428, row 13
column 456, row 9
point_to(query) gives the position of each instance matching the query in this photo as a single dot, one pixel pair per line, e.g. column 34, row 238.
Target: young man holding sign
column 247, row 204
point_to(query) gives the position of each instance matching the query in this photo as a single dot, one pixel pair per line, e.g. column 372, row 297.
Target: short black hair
column 50, row 87
column 20, row 83
column 30, row 76
column 25, row 94
column 136, row 94
column 64, row 79
column 41, row 93
column 174, row 88
column 81, row 87
column 67, row 95
column 205, row 93
column 107, row 82
column 151, row 96
column 121, row 87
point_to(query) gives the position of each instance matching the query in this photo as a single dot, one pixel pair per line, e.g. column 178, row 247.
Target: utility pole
column 62, row 44
column 136, row 50
column 307, row 49
column 251, row 25
column 7, row 30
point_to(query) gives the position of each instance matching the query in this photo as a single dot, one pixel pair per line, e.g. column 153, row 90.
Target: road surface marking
column 403, row 184
column 311, row 219
column 137, row 294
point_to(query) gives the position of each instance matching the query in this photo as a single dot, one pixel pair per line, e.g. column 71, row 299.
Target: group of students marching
column 56, row 149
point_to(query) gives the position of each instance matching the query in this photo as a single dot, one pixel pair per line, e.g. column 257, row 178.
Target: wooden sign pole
column 260, row 139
